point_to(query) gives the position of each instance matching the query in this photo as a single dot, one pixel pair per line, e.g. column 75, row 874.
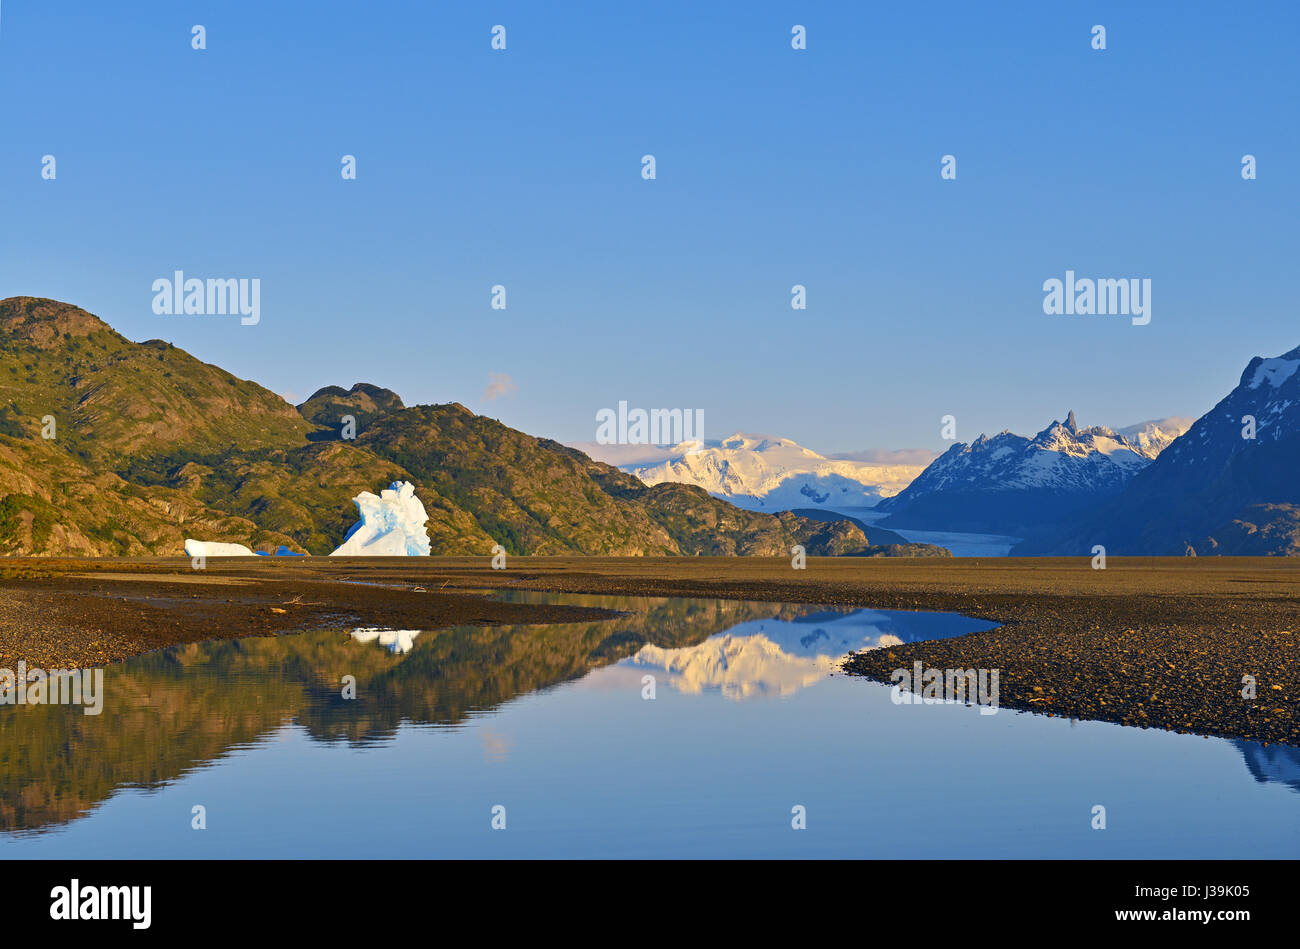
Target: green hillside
column 152, row 446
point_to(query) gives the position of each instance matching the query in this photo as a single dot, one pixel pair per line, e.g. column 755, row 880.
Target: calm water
column 961, row 543
column 550, row 723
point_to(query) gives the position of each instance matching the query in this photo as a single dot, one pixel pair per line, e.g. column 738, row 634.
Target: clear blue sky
column 775, row 167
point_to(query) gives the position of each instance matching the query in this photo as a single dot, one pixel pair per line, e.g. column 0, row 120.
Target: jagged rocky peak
column 1223, row 484
column 1011, row 483
column 1058, row 428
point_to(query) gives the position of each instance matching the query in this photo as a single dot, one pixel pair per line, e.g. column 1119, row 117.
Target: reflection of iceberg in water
column 762, row 658
column 400, row 641
column 1280, row 763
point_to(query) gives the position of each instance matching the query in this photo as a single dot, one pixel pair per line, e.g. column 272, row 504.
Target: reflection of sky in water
column 587, row 767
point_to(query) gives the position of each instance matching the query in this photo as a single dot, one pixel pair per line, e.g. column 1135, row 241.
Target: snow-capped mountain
column 762, row 473
column 1011, row 484
column 1154, row 437
column 1227, row 486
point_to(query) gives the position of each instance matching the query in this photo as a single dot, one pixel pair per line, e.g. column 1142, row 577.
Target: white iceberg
column 391, row 525
column 207, row 548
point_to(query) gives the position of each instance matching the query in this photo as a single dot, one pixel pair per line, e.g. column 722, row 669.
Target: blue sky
column 774, row 167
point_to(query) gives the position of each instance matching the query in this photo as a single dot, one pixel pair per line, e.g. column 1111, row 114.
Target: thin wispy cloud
column 499, row 384
column 883, row 456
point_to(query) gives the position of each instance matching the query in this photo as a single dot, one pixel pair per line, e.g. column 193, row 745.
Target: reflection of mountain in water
column 1279, row 763
column 774, row 657
column 171, row 711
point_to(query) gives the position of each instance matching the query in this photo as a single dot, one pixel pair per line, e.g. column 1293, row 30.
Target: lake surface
column 550, row 722
column 961, row 543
